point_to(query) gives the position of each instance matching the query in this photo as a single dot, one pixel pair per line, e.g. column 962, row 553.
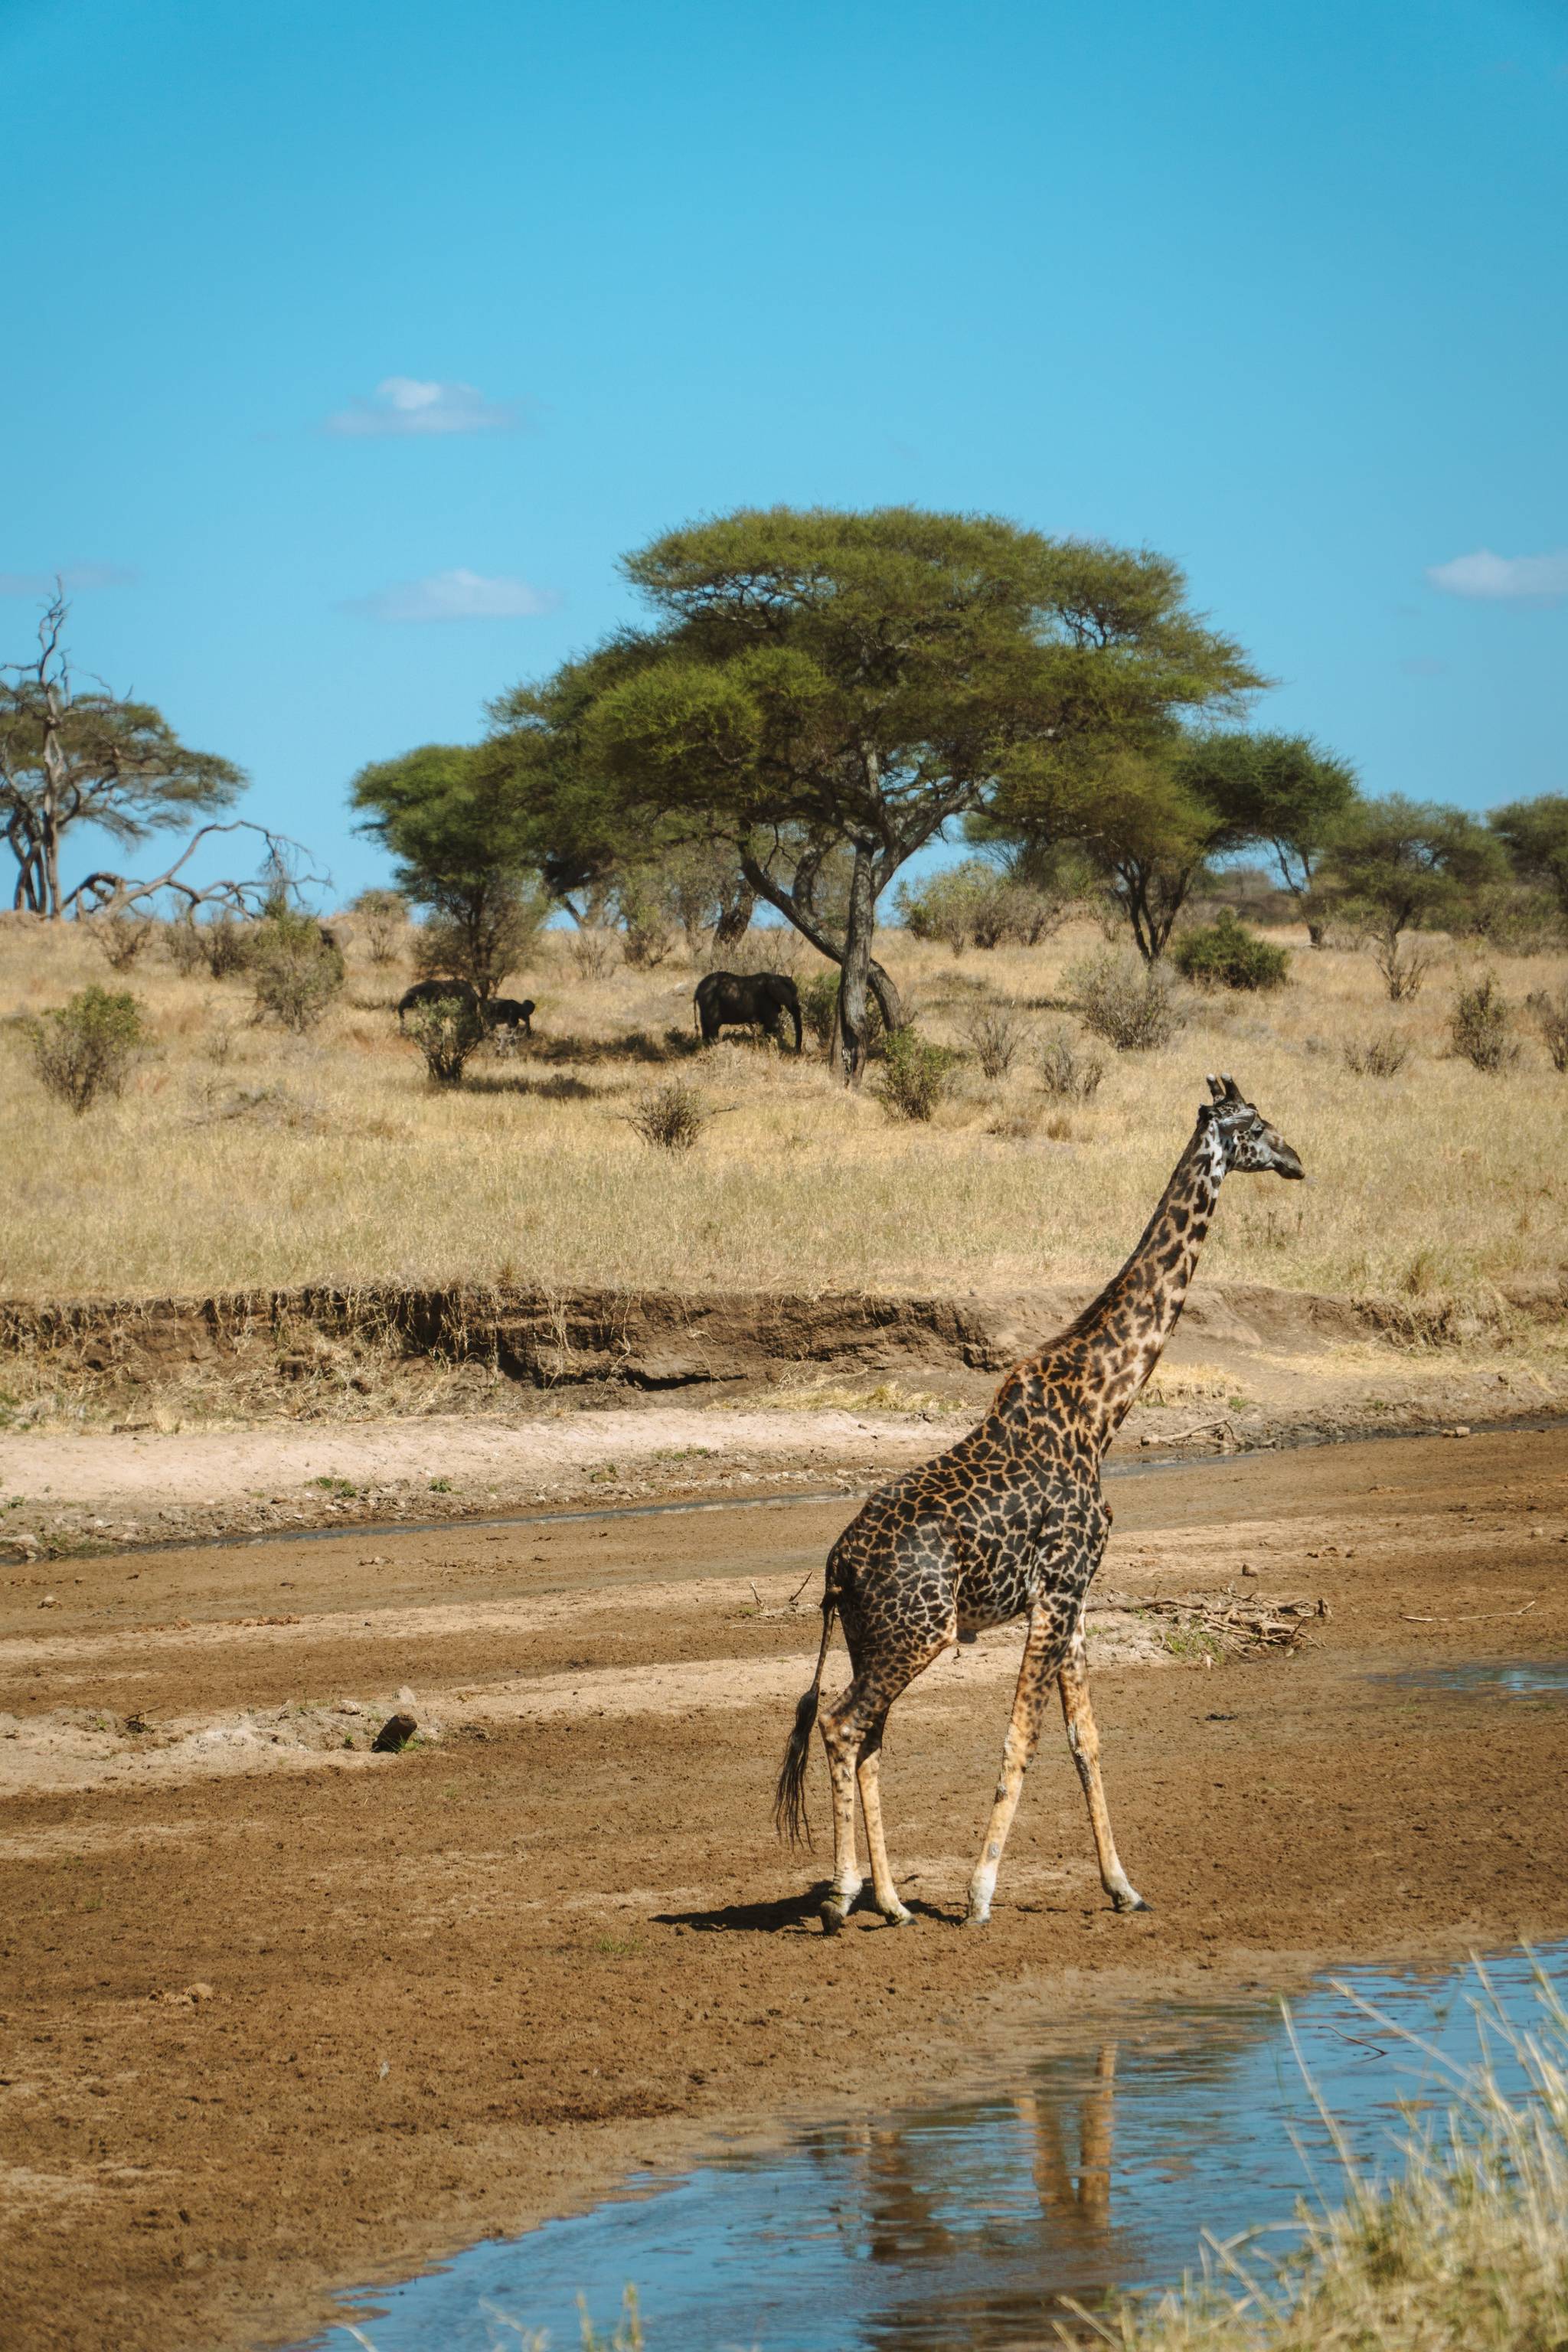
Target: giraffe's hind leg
column 1043, row 1652
column 884, row 1893
column 1084, row 1741
column 848, row 1727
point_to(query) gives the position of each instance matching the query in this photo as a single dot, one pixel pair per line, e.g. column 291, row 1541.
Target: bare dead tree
column 279, row 877
column 75, row 755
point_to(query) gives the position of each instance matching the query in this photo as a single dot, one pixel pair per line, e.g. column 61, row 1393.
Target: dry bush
column 121, row 937
column 671, row 1117
column 592, row 949
column 996, row 1037
column 384, row 914
column 1131, row 1004
column 1481, row 1026
column 915, row 1075
column 1550, row 1014
column 85, row 1047
column 227, row 944
column 1404, row 969
column 1226, row 954
column 183, row 946
column 1068, row 1072
column 1381, row 1056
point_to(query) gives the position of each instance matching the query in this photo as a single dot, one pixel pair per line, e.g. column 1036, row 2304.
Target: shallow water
column 958, row 2228
column 1525, row 1678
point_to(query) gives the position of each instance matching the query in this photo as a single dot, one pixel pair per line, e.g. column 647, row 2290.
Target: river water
column 960, row 2227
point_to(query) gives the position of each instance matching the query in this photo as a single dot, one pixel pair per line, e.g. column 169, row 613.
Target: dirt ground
column 279, row 2016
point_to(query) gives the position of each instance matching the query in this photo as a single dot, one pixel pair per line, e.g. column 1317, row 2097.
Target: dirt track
column 280, row 2015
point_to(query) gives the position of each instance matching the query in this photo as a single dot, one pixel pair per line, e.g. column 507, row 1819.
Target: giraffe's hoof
column 977, row 1920
column 899, row 1917
column 832, row 1918
column 1131, row 1901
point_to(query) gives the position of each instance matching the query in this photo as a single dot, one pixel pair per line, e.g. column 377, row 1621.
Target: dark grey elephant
column 746, row 1000
column 432, row 992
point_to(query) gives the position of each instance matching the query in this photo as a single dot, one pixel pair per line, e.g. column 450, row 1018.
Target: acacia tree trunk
column 855, row 970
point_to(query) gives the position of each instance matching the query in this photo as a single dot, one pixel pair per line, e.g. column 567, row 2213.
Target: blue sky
column 352, row 344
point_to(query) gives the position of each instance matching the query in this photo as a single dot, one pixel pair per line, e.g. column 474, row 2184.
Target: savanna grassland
column 242, row 1155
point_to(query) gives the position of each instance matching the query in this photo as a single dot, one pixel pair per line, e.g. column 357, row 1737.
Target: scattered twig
column 1484, row 1617
column 1185, row 1436
column 1238, row 1620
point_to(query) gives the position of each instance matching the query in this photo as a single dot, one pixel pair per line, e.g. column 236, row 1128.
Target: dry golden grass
column 240, row 1156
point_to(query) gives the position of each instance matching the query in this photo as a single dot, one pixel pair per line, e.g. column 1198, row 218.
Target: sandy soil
column 281, row 2016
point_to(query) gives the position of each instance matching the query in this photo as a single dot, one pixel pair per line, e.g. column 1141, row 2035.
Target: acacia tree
column 1535, row 835
column 1398, row 865
column 820, row 686
column 1152, row 819
column 459, row 829
column 72, row 756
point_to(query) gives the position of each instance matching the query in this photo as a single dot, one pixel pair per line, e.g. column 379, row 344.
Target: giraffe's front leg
column 1042, row 1655
column 1084, row 1741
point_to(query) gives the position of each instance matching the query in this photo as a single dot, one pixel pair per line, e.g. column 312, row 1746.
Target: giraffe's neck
column 1127, row 1326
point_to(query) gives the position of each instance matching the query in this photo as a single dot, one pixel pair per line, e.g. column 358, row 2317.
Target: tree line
column 809, row 698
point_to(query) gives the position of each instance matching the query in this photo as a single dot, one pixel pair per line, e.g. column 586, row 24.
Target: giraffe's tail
column 789, row 1801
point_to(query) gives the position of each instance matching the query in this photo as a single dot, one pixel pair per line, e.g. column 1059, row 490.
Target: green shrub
column 1129, row 1003
column 85, row 1047
column 1481, row 1026
column 915, row 1075
column 1066, row 1071
column 1226, row 954
column 293, row 971
column 447, row 1031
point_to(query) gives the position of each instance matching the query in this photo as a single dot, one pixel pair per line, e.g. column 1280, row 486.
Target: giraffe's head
column 1250, row 1144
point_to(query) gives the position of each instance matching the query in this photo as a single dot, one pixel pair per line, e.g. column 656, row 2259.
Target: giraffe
column 1010, row 1522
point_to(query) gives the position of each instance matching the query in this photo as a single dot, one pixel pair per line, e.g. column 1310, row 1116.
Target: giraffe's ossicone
column 1010, row 1522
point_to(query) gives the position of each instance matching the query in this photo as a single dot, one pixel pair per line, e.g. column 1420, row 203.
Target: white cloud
column 406, row 405
column 1535, row 579
column 456, row 596
column 72, row 577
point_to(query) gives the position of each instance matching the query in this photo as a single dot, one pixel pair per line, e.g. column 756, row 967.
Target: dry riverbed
column 281, row 2015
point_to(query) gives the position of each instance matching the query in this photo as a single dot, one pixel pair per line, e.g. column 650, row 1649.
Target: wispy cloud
column 72, row 577
column 1520, row 579
column 406, row 405
column 456, row 596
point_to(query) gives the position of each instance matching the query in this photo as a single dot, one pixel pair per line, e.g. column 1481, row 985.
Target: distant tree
column 1535, row 836
column 71, row 756
column 819, row 686
column 1152, row 818
column 1401, row 866
column 457, row 821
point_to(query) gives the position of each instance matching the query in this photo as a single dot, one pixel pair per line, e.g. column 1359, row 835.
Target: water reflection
column 961, row 2228
column 1517, row 1678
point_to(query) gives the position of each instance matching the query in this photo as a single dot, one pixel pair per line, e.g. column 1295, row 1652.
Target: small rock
column 200, row 1992
column 406, row 1696
column 48, row 1602
column 394, row 1734
column 1248, row 1568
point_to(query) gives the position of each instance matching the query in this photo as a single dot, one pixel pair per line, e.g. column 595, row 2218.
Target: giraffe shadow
column 787, row 1912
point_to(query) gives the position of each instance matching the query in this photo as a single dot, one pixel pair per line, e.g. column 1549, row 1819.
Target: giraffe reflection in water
column 901, row 2178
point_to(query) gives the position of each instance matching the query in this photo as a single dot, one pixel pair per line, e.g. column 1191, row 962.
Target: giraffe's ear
column 1216, row 1087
